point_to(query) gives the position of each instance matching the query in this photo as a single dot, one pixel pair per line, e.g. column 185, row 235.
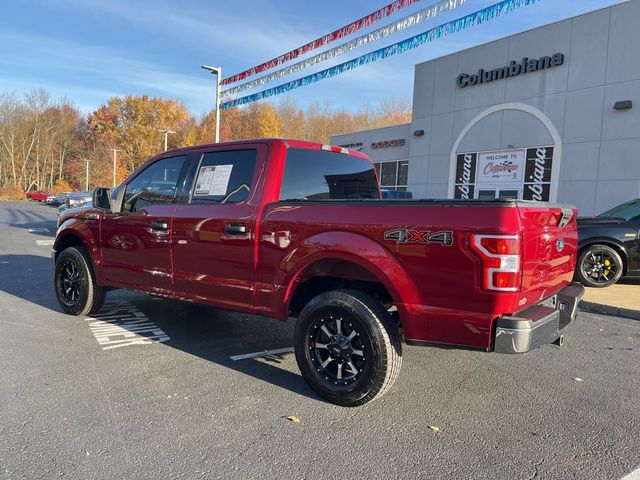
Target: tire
column 599, row 266
column 347, row 347
column 75, row 283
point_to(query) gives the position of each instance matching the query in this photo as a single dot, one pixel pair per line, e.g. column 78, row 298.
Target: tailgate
column 550, row 248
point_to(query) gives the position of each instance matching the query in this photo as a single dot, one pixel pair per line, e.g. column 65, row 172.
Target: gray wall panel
column 583, row 120
column 438, row 171
column 553, row 106
column 493, row 55
column 579, row 194
column 445, row 84
column 610, row 194
column 620, row 160
column 619, row 124
column 521, row 129
column 423, row 88
column 624, row 52
column 580, row 161
column 485, row 135
column 435, row 190
column 554, row 38
column 588, row 55
column 441, row 127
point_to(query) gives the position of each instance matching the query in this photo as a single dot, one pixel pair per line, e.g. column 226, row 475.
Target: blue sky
column 90, row 50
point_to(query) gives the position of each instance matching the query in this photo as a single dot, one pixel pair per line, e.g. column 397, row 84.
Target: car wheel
column 347, row 347
column 76, row 288
column 599, row 266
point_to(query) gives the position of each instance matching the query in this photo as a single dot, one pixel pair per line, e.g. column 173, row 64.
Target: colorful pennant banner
column 345, row 31
column 454, row 26
column 379, row 34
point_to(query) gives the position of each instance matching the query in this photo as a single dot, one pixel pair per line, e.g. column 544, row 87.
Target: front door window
column 157, row 184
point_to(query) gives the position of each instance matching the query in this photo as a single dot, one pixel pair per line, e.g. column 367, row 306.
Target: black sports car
column 609, row 245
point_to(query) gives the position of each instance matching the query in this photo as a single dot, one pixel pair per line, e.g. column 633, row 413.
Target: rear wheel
column 599, row 266
column 76, row 288
column 347, row 347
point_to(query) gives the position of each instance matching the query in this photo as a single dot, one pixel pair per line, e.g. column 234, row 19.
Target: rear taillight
column 500, row 255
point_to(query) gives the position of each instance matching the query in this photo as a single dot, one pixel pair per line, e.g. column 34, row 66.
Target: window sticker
column 213, row 180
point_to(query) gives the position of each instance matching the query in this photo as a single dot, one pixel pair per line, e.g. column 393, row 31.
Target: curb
column 609, row 310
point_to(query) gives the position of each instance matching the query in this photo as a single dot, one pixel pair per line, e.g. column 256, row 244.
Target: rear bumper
column 540, row 325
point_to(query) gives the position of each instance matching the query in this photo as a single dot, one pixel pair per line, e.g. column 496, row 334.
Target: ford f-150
column 288, row 228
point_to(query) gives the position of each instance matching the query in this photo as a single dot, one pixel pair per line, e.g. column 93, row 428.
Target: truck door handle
column 160, row 226
column 235, row 229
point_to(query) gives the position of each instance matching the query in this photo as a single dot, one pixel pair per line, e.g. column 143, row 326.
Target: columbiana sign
column 514, row 69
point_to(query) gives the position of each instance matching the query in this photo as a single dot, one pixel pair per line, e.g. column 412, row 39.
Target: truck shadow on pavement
column 29, row 277
column 46, row 228
column 38, row 223
column 215, row 335
column 208, row 333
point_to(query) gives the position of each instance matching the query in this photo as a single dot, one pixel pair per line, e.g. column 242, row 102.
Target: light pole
column 115, row 150
column 166, row 134
column 86, row 183
column 217, row 71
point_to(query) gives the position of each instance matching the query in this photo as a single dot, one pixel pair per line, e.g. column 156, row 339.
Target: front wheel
column 599, row 266
column 76, row 288
column 347, row 347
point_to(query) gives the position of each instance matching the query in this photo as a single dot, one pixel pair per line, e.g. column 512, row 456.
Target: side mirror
column 102, row 199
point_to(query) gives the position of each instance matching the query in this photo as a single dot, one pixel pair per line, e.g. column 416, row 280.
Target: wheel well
column 67, row 241
column 621, row 252
column 329, row 275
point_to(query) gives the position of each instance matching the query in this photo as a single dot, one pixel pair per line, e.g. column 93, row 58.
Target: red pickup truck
column 287, row 228
column 37, row 195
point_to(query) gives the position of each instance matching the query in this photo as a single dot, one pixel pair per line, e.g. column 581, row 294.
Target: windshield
column 626, row 211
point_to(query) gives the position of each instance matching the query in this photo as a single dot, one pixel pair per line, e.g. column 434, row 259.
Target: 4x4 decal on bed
column 405, row 235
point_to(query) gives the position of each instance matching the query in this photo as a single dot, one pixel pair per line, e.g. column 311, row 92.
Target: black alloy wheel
column 72, row 283
column 599, row 266
column 337, row 350
column 347, row 347
column 76, row 288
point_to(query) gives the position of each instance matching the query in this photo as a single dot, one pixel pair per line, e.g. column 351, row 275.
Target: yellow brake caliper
column 607, row 267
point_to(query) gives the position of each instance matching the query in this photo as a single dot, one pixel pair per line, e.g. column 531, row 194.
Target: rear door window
column 224, row 177
column 324, row 175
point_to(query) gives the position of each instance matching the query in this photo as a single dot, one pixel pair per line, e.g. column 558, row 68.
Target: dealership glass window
column 509, row 194
column 389, row 174
column 486, row 194
column 393, row 175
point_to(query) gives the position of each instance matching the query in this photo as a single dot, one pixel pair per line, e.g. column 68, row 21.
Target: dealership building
column 550, row 114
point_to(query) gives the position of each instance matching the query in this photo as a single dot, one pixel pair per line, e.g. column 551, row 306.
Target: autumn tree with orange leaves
column 45, row 144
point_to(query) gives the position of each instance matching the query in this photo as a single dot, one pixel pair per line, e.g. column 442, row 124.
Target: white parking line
column 39, row 230
column 121, row 324
column 44, row 243
column 264, row 353
column 635, row 475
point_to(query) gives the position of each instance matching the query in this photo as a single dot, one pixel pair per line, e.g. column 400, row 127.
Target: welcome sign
column 529, row 168
column 504, row 166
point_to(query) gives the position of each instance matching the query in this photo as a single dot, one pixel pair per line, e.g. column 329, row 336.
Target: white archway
column 522, row 107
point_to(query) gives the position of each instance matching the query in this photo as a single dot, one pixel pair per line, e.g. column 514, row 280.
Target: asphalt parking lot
column 148, row 389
